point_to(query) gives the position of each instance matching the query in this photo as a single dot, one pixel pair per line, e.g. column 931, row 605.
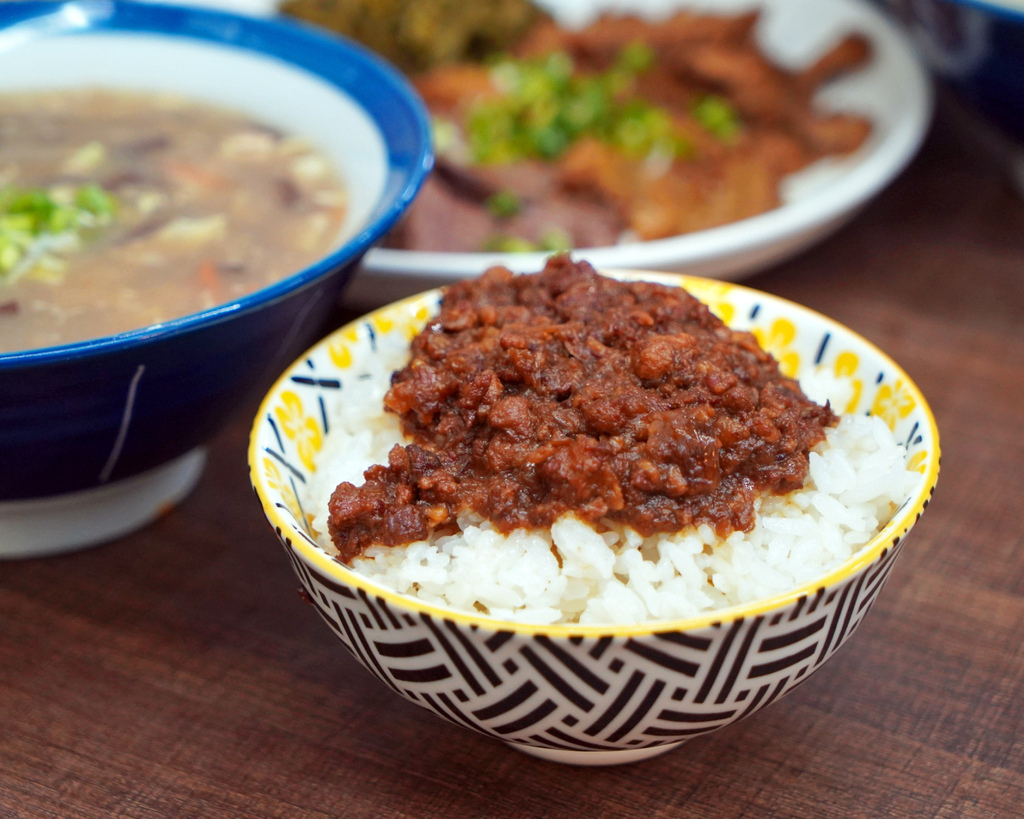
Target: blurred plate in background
column 893, row 91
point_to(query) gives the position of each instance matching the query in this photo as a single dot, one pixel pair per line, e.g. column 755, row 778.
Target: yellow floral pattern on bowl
column 287, row 492
column 893, row 403
column 778, row 340
column 340, row 353
column 846, row 367
column 300, row 422
column 300, row 428
column 715, row 295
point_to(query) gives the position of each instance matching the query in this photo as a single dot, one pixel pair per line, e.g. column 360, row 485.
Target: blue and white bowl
column 99, row 437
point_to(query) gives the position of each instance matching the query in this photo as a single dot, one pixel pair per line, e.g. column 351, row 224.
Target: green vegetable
column 36, row 223
column 93, row 200
column 508, row 244
column 544, row 107
column 445, row 135
column 636, row 57
column 553, row 240
column 504, row 204
column 717, row 116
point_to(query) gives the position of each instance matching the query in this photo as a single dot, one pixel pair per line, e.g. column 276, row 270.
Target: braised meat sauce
column 532, row 396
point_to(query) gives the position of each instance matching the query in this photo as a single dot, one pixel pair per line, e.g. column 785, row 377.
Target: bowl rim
column 789, row 222
column 998, row 8
column 329, row 58
column 893, row 531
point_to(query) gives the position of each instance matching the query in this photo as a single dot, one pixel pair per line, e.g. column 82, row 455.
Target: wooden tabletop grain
column 176, row 672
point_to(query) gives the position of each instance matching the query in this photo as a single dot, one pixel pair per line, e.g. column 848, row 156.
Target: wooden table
column 177, row 673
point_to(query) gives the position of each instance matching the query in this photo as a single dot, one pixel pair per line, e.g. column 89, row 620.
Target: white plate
column 893, row 91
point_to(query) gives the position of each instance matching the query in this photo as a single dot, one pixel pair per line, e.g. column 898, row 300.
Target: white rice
column 574, row 574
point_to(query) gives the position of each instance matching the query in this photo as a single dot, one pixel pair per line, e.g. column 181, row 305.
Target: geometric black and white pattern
column 594, row 693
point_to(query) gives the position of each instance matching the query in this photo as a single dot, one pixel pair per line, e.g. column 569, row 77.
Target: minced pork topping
column 531, row 396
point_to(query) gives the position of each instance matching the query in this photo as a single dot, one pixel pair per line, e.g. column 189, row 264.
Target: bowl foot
column 64, row 523
column 622, row 757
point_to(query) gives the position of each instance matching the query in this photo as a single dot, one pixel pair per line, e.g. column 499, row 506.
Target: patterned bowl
column 101, row 436
column 588, row 694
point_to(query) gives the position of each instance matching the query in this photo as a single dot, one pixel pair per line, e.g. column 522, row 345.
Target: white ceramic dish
column 893, row 91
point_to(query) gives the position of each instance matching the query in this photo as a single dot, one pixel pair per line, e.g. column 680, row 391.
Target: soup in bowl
column 675, row 520
column 123, row 210
column 195, row 189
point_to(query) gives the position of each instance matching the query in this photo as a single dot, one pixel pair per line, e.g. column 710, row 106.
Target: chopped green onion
column 636, row 57
column 509, row 244
column 717, row 116
column 445, row 135
column 10, row 252
column 504, row 205
column 543, row 108
column 87, row 158
column 35, row 223
column 93, row 199
column 553, row 240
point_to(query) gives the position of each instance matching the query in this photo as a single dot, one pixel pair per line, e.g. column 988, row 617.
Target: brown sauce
column 531, row 396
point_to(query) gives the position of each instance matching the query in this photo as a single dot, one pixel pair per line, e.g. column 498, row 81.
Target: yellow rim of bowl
column 896, row 528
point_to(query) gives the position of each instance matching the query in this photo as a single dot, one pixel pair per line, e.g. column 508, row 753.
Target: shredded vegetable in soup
column 119, row 210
